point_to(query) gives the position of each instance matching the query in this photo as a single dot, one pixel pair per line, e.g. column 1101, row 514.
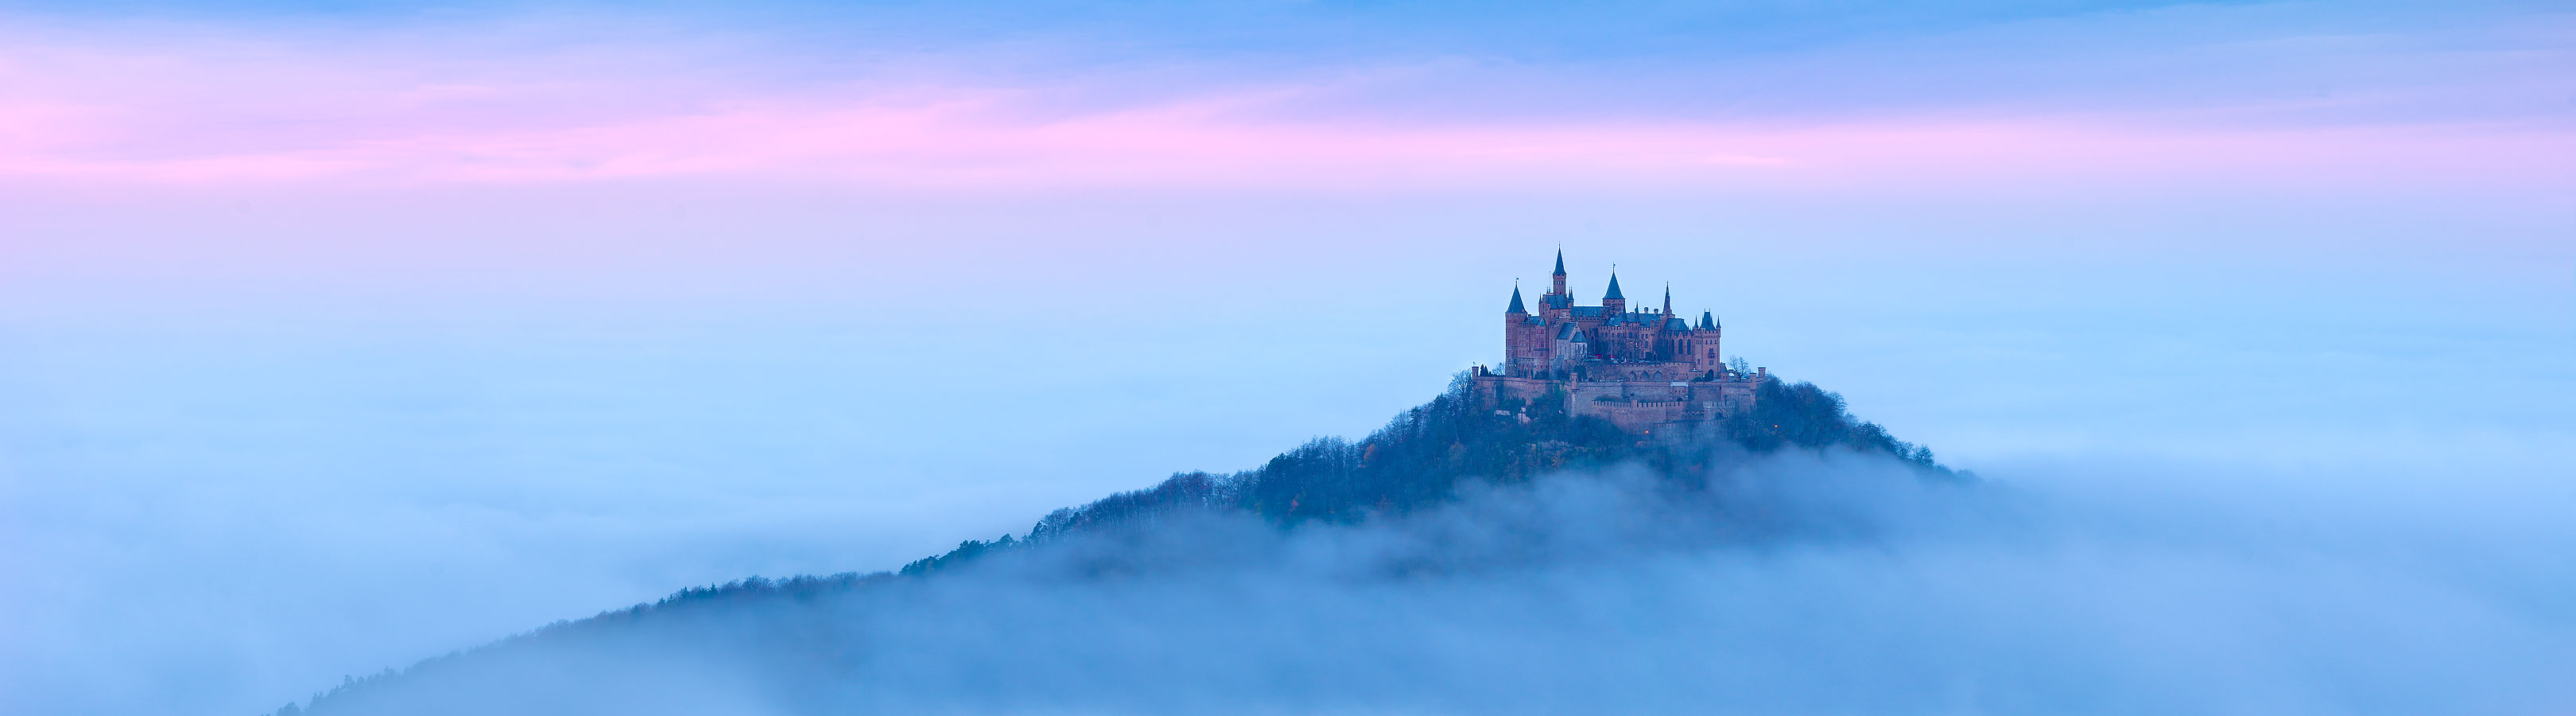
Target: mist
column 224, row 504
column 1802, row 583
column 233, row 499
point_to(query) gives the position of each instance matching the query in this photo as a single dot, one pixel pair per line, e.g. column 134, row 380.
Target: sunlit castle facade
column 1639, row 369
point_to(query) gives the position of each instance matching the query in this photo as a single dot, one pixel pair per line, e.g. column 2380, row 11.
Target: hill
column 1447, row 494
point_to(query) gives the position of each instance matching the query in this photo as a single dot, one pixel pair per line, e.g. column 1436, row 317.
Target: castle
column 1642, row 370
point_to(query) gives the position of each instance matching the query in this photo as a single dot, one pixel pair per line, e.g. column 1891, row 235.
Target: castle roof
column 1676, row 324
column 1560, row 262
column 1567, row 332
column 1589, row 311
column 1614, row 288
column 1551, row 300
column 1516, row 301
column 1707, row 319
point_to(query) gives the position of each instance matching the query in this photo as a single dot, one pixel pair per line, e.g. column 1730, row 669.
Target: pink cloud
column 970, row 141
column 224, row 114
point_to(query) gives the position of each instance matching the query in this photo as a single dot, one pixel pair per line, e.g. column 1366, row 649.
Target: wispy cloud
column 448, row 105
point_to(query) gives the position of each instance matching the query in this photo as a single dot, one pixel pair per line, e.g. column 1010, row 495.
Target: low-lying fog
column 2263, row 485
column 1800, row 585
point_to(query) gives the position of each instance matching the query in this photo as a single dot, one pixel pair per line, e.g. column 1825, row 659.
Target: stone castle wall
column 1636, row 406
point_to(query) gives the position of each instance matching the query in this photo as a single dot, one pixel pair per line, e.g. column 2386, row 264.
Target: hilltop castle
column 1641, row 370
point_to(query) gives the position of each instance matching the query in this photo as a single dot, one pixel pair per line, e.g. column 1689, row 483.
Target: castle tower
column 1668, row 341
column 1524, row 338
column 1704, row 355
column 1612, row 303
column 1559, row 290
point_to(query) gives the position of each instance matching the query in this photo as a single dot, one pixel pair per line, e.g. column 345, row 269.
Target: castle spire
column 1558, row 287
column 1516, row 300
column 1668, row 298
column 1614, row 306
column 1707, row 319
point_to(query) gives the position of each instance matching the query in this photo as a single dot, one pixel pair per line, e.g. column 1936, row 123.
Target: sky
column 337, row 335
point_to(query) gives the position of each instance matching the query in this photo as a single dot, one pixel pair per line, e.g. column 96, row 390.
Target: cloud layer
column 2263, row 96
column 1802, row 585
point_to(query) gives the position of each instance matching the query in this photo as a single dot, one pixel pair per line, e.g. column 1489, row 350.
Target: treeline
column 1803, row 415
column 1422, row 455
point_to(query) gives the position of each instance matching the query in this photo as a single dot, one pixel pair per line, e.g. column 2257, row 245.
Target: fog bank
column 1802, row 584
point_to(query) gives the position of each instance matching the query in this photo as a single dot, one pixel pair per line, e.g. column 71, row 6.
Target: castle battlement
column 1638, row 369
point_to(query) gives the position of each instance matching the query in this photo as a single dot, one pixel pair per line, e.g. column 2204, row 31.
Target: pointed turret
column 1524, row 339
column 1668, row 298
column 1707, row 320
column 1613, row 303
column 1559, row 289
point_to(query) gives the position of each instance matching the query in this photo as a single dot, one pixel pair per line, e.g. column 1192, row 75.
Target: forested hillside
column 1425, row 452
column 796, row 630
